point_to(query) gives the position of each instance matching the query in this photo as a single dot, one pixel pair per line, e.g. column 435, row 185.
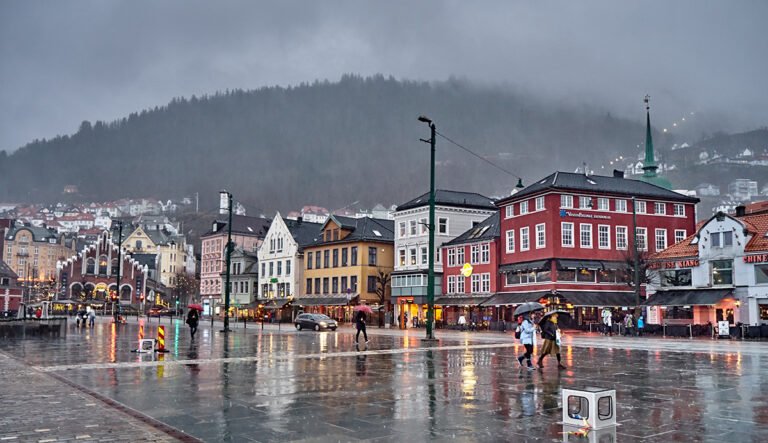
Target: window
column 442, row 225
column 727, row 238
column 566, row 234
column 279, row 268
column 679, row 210
column 510, row 241
column 371, row 283
column 287, row 267
column 602, row 204
column 424, row 255
column 475, row 283
column 640, row 238
column 460, row 284
column 90, row 266
column 761, row 274
column 659, row 208
column 335, row 285
column 510, row 211
column 585, row 202
column 524, row 207
column 412, row 256
column 327, row 258
column 401, row 256
column 621, row 238
column 540, row 203
column 271, row 245
column 353, row 257
column 344, row 286
column 344, row 256
column 661, row 239
column 309, row 263
column 524, row 239
column 413, row 227
column 317, row 286
column 485, row 253
column 474, row 254
column 640, row 207
column 326, row 282
column 584, row 275
column 603, row 236
column 263, row 269
column 271, row 268
column 371, row 256
column 585, row 235
column 423, row 223
column 621, row 205
column 680, row 235
column 541, row 241
column 460, row 256
column 485, row 282
column 722, row 272
column 317, row 260
column 566, row 201
column 679, row 277
column 402, row 229
column 309, row 286
column 335, row 258
column 353, row 283
column 451, row 284
column 451, row 257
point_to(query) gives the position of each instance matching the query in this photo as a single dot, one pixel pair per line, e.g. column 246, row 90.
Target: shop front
column 338, row 307
column 695, row 307
column 454, row 306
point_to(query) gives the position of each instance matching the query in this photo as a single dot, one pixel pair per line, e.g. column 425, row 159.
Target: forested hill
column 326, row 143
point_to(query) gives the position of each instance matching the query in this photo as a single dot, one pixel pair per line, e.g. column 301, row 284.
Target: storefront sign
column 692, row 263
column 566, row 213
column 101, row 287
column 756, row 258
column 466, row 270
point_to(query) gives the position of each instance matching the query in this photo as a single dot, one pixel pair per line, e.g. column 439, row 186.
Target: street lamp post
column 635, row 257
column 431, row 228
column 228, row 195
column 119, row 263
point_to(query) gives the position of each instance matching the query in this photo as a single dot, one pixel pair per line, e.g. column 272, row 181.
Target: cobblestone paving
column 38, row 408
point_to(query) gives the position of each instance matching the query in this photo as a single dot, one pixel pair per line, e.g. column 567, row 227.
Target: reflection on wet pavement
column 284, row 386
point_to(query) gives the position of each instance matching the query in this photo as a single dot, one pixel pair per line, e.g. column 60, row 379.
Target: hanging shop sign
column 466, row 270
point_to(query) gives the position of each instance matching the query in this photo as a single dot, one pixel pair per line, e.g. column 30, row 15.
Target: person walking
column 91, row 317
column 462, row 322
column 526, row 338
column 360, row 324
column 607, row 322
column 629, row 324
column 551, row 346
column 640, row 325
column 193, row 318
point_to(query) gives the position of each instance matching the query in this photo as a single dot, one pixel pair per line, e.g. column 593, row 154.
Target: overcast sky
column 62, row 62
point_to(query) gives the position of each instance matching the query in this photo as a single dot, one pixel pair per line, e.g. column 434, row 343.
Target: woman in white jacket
column 527, row 329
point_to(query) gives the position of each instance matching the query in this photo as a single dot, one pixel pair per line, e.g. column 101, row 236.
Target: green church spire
column 649, row 165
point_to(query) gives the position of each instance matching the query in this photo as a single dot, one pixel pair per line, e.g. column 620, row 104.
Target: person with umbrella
column 360, row 312
column 193, row 318
column 527, row 329
column 550, row 332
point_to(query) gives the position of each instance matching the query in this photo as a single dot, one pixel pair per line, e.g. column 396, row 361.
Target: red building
column 10, row 291
column 471, row 272
column 568, row 239
column 90, row 276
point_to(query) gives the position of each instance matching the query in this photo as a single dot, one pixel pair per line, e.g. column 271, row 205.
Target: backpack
column 517, row 332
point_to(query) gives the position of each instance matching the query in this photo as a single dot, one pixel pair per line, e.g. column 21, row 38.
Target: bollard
column 664, row 330
column 161, row 339
column 690, row 331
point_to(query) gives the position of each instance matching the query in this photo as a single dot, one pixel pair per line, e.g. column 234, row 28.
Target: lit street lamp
column 431, row 227
column 228, row 196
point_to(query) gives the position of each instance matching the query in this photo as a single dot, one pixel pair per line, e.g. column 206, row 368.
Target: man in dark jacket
column 193, row 317
column 360, row 323
column 551, row 346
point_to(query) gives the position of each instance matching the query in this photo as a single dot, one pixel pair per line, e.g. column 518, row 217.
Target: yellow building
column 170, row 250
column 32, row 253
column 342, row 267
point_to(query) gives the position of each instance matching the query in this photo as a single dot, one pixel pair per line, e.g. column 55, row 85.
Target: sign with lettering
column 566, row 213
column 63, row 281
column 690, row 263
column 756, row 258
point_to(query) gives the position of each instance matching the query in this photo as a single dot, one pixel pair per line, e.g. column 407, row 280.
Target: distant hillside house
column 743, row 189
column 707, row 190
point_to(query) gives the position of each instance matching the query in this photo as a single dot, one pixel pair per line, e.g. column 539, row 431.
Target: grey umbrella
column 527, row 307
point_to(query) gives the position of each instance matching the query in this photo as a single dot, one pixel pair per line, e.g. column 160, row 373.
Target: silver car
column 315, row 321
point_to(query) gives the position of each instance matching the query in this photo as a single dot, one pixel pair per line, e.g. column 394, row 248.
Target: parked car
column 315, row 321
column 160, row 312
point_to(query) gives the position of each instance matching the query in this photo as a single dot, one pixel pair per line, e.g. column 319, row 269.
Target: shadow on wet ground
column 308, row 386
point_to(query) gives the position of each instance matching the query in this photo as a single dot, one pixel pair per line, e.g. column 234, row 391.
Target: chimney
column 741, row 211
column 299, row 219
column 618, row 174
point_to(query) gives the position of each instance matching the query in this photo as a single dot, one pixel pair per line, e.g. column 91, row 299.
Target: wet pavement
column 270, row 385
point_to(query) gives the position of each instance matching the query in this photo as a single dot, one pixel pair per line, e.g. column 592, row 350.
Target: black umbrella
column 550, row 313
column 527, row 307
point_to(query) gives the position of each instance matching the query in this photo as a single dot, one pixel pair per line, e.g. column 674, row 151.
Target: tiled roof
column 150, row 260
column 759, row 242
column 39, row 234
column 451, row 198
column 681, row 249
column 242, row 224
column 570, row 181
column 757, row 207
column 303, row 233
column 488, row 229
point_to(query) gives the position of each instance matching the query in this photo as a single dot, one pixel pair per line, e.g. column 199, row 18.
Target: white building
column 743, row 189
column 281, row 260
column 719, row 273
column 455, row 212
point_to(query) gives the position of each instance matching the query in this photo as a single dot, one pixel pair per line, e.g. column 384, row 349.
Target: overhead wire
column 506, row 171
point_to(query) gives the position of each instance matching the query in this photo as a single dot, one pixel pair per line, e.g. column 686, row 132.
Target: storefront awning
column 461, row 301
column 689, row 298
column 513, row 298
column 589, row 264
column 321, row 301
column 276, row 304
column 598, row 298
column 528, row 266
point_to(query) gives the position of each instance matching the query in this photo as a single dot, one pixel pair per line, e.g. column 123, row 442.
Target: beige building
column 32, row 252
column 171, row 251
